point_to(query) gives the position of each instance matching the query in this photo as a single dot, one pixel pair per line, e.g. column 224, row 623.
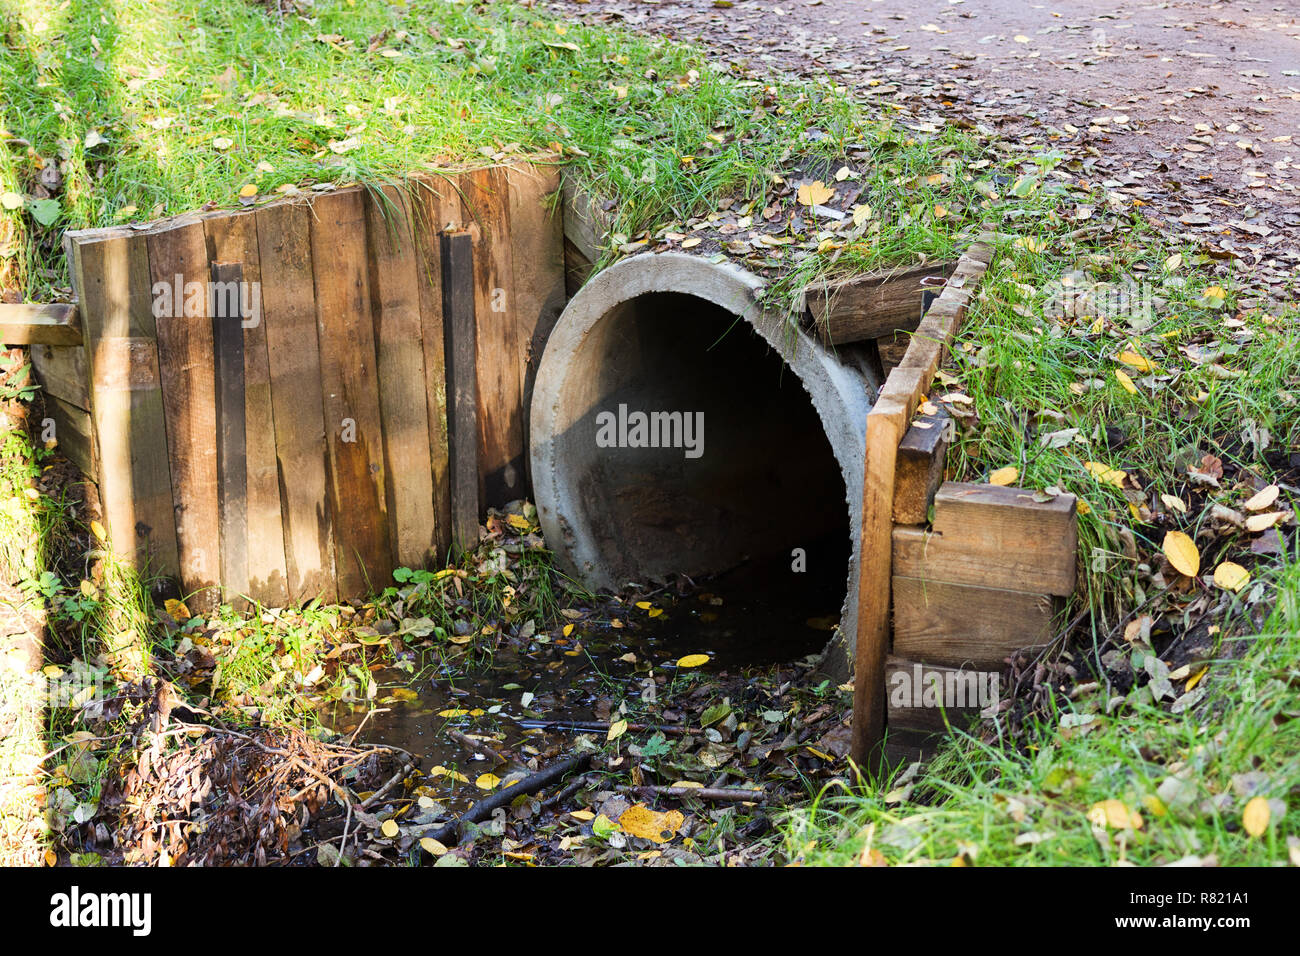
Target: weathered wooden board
column 927, row 697
column 921, row 457
column 289, row 314
column 233, row 239
column 434, row 203
column 399, row 340
column 499, row 352
column 874, row 305
column 537, row 258
column 232, row 460
column 178, row 257
column 130, row 448
column 993, row 537
column 362, row 545
column 75, row 435
column 462, row 386
column 31, row 324
column 944, row 623
column 63, row 373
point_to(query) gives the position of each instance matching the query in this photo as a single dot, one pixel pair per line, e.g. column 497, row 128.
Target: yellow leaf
column 655, row 611
column 644, row 605
column 1134, row 360
column 460, row 638
column 1114, row 814
column 686, row 784
column 1231, row 576
column 1123, row 378
column 1106, row 474
column 861, row 214
column 568, row 629
column 248, row 191
column 1262, row 499
column 178, row 611
column 1265, row 521
column 617, row 729
column 814, row 194
column 1005, row 476
column 1196, row 679
column 693, row 660
column 441, row 771
column 487, row 781
column 389, row 828
column 431, row 846
column 1256, row 816
column 940, row 212
column 1154, row 804
column 583, row 815
column 519, row 522
column 1182, row 554
column 640, row 821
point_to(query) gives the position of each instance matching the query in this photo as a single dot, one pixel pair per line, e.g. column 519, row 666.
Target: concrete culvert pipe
column 678, row 426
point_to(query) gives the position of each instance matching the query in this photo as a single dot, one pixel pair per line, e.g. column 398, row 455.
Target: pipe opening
column 691, row 447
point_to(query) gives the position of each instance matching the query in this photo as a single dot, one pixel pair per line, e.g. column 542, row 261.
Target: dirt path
column 1191, row 109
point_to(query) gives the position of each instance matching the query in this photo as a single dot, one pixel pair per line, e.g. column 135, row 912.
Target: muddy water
column 759, row 614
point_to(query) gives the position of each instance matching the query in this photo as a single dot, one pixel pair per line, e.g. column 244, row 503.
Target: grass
column 149, row 109
column 1187, row 777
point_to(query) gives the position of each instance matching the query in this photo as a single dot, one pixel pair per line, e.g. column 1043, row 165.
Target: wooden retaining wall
column 310, row 452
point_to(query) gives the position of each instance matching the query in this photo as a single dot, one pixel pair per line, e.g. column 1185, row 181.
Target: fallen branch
column 449, row 834
column 596, row 727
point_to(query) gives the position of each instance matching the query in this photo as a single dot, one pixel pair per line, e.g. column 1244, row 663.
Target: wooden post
column 232, row 458
column 462, row 386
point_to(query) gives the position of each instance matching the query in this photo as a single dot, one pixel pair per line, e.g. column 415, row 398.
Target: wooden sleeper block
column 921, row 457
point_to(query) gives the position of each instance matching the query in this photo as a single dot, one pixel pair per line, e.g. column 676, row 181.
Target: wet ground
column 621, row 652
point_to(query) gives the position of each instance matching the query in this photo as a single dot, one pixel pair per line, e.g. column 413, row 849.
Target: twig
column 474, row 746
column 708, row 793
column 369, row 713
column 596, row 727
column 343, row 844
column 449, row 834
column 570, row 789
column 393, row 781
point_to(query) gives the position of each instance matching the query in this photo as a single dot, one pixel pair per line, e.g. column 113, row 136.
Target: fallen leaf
column 1005, row 476
column 1114, row 814
column 640, row 821
column 1182, row 554
column 1134, row 360
column 1265, row 521
column 389, row 828
column 1256, row 816
column 1127, row 383
column 1231, row 577
column 1262, row 499
column 617, row 729
column 693, row 660
column 814, row 193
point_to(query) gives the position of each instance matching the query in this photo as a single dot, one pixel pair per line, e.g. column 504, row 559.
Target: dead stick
column 596, row 727
column 393, row 781
column 449, row 834
column 474, row 746
column 708, row 793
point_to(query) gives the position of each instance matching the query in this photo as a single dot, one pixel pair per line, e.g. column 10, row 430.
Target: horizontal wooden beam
column 30, row 324
column 872, row 306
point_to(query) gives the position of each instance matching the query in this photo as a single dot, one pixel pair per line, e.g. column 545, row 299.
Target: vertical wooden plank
column 232, row 462
column 232, row 238
column 433, row 202
column 462, row 385
column 399, row 342
column 129, row 444
column 293, row 355
column 178, row 258
column 537, row 258
column 362, row 544
column 499, row 354
column 885, row 424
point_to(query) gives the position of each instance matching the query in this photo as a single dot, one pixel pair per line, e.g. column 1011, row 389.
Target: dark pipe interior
column 766, row 483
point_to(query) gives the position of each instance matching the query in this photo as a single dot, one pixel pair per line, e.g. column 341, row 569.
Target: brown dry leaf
column 1265, row 521
column 1262, row 499
column 640, row 821
column 1182, row 554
